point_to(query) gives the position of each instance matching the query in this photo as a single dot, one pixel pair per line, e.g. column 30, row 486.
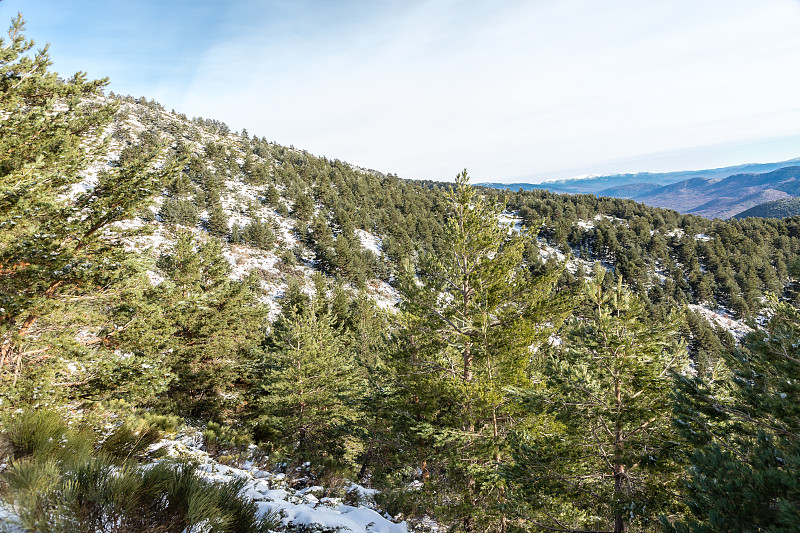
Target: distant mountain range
column 713, row 198
column 714, row 193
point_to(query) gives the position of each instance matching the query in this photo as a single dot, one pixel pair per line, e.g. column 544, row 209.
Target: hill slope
column 724, row 198
column 787, row 207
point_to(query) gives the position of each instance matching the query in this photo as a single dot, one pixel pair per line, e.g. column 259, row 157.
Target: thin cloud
column 424, row 88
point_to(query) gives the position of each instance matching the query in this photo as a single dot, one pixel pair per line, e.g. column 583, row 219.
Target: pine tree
column 607, row 458
column 201, row 327
column 217, row 221
column 57, row 240
column 745, row 472
column 308, row 382
column 472, row 313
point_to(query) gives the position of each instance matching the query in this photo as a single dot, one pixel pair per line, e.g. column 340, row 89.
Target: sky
column 513, row 91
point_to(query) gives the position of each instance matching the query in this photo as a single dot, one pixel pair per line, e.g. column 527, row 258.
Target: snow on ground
column 370, row 242
column 243, row 259
column 512, row 220
column 590, row 224
column 546, row 251
column 9, row 522
column 306, row 509
column 721, row 317
column 300, row 508
column 385, row 296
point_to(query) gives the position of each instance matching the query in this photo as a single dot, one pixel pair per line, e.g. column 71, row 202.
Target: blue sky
column 510, row 90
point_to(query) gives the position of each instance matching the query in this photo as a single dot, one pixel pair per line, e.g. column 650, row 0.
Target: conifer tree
column 472, row 313
column 745, row 472
column 606, row 460
column 56, row 236
column 201, row 327
column 308, row 383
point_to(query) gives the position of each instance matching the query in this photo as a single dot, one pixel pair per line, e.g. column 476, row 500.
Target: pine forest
column 204, row 331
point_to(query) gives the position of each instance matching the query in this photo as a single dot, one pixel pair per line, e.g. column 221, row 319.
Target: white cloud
column 425, row 88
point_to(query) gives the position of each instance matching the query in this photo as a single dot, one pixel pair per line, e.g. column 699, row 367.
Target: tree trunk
column 619, row 479
column 468, row 357
column 619, row 468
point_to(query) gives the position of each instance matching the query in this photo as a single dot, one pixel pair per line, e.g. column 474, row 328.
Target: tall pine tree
column 308, row 386
column 57, row 240
column 472, row 313
column 606, row 459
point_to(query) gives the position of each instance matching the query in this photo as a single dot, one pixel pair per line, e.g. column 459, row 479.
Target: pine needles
column 60, row 481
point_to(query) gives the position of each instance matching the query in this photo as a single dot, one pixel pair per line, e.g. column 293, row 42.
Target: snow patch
column 721, row 317
column 272, row 494
column 370, row 242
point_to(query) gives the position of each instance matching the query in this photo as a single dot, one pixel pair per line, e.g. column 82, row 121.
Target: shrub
column 220, row 437
column 97, row 495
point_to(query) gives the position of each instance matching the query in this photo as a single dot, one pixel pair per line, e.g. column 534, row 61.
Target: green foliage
column 308, row 383
column 606, row 455
column 732, row 263
column 746, row 429
column 471, row 316
column 259, row 234
column 92, row 494
column 43, row 434
column 217, row 221
column 203, row 325
column 56, row 241
column 218, row 437
column 81, row 322
column 786, row 207
column 61, row 479
column 130, row 439
column 178, row 212
column 35, row 432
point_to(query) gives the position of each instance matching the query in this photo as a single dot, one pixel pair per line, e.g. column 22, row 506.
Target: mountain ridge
column 713, row 198
column 594, row 184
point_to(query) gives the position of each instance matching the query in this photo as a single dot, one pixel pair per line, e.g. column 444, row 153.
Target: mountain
column 715, row 198
column 786, row 207
column 604, row 185
column 628, row 191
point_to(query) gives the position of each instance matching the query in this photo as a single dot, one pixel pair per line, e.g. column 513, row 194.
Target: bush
column 178, row 212
column 61, row 480
column 258, row 234
column 34, row 431
column 41, row 433
column 130, row 439
column 219, row 437
column 97, row 495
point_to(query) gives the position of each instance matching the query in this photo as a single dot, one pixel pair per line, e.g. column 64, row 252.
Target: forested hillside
column 479, row 360
column 788, row 207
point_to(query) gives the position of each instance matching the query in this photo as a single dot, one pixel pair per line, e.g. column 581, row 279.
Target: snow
column 272, row 493
column 546, row 251
column 370, row 242
column 385, row 296
column 721, row 317
column 9, row 521
column 512, row 220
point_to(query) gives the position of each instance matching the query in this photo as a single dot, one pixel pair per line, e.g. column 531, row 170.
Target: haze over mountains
column 713, row 193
